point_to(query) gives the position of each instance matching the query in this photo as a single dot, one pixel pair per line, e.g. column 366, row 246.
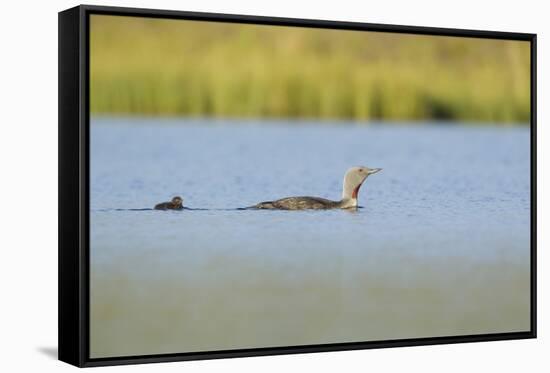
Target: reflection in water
column 438, row 249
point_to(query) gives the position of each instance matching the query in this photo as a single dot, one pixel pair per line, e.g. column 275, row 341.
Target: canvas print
column 264, row 186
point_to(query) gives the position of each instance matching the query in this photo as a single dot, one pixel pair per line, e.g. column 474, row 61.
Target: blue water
column 440, row 247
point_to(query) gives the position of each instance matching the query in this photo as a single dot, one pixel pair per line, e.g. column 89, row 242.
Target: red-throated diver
column 353, row 180
column 175, row 204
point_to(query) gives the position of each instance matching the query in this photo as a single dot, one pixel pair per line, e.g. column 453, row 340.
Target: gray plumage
column 299, row 203
column 353, row 179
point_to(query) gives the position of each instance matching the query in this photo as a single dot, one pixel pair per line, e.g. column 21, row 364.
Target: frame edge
column 69, row 196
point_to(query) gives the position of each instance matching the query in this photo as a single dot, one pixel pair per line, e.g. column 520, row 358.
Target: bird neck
column 350, row 193
column 348, row 202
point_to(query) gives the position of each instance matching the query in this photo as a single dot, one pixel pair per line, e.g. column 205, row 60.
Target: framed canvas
column 213, row 192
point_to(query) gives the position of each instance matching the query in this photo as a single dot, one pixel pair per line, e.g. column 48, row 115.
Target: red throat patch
column 355, row 191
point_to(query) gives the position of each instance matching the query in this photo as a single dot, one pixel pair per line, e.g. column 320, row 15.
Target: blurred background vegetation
column 146, row 66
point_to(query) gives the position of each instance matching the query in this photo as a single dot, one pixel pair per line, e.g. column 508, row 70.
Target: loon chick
column 353, row 180
column 175, row 204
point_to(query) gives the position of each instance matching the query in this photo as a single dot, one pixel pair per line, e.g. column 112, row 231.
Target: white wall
column 28, row 169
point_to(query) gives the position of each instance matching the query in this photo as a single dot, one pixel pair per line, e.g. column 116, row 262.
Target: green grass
column 143, row 66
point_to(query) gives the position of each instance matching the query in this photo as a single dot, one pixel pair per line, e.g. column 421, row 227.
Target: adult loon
column 353, row 179
column 175, row 204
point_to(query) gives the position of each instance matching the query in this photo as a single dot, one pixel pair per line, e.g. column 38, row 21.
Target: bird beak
column 374, row 170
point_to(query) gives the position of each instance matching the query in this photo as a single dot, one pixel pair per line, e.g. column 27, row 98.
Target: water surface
column 440, row 247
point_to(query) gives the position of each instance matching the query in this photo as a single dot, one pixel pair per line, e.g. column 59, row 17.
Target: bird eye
column 361, row 170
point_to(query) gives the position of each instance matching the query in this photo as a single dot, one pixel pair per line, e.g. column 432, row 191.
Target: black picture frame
column 74, row 191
